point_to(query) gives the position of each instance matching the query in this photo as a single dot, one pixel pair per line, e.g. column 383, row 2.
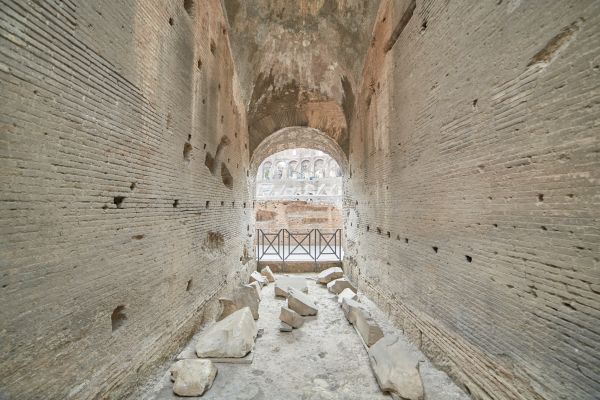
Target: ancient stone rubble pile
column 395, row 365
column 232, row 336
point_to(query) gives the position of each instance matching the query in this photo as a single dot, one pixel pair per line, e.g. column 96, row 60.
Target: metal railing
column 287, row 246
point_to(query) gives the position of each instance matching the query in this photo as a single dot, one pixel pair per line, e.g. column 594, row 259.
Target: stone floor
column 324, row 359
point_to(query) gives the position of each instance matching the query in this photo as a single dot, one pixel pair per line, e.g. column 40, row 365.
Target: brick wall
column 474, row 182
column 298, row 216
column 115, row 234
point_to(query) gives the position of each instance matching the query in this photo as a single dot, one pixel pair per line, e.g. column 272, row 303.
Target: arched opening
column 298, row 200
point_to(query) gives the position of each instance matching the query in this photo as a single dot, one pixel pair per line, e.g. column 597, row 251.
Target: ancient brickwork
column 115, row 233
column 298, row 216
column 474, row 164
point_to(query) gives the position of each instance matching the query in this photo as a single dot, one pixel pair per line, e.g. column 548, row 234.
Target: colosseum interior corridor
column 300, row 199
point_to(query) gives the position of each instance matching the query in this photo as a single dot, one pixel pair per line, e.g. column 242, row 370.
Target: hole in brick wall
column 104, row 207
column 368, row 228
column 203, row 101
column 189, row 6
column 214, row 240
column 423, row 25
column 209, row 161
column 188, row 286
column 248, row 228
column 226, row 176
column 233, row 204
column 569, row 305
column 222, row 203
column 570, row 195
column 379, row 230
column 544, row 228
column 175, row 203
column 199, row 64
column 132, row 186
column 171, row 21
column 219, row 86
column 469, row 258
column 213, row 47
column 405, row 240
column 435, row 249
column 540, row 197
column 137, row 237
column 235, row 134
column 118, row 200
column 204, row 147
column 389, row 234
column 189, row 137
column 187, row 151
column 222, row 118
column 474, row 104
column 118, row 317
column 495, row 225
column 244, row 204
column 207, row 204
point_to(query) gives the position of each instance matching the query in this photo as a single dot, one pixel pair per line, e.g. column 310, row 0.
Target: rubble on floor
column 396, row 368
column 243, row 296
column 351, row 308
column 257, row 287
column 257, row 277
column 329, row 275
column 291, row 317
column 192, row 377
column 367, row 328
column 283, row 327
column 284, row 283
column 301, row 303
column 338, row 285
column 347, row 294
column 268, row 274
column 231, row 337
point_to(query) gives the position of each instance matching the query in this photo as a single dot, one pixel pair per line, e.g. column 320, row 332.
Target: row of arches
column 299, row 170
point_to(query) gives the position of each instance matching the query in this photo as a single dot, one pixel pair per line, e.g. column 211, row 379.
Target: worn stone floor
column 324, row 359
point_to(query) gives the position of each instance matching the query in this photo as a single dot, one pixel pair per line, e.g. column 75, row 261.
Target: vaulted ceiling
column 299, row 62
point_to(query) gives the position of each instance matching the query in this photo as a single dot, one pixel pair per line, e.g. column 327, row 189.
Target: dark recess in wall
column 118, row 317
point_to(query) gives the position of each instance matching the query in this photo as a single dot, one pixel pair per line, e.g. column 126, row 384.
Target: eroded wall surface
column 475, row 181
column 124, row 205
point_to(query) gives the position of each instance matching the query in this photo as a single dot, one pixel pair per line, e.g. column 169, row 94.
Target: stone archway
column 295, row 137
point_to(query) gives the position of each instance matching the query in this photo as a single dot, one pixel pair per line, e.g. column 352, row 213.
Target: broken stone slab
column 284, row 283
column 192, row 377
column 351, row 309
column 396, row 368
column 258, row 289
column 291, row 317
column 340, row 284
column 329, row 275
column 283, row 327
column 244, row 296
column 367, row 328
column 267, row 273
column 257, row 277
column 231, row 337
column 346, row 294
column 301, row 303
